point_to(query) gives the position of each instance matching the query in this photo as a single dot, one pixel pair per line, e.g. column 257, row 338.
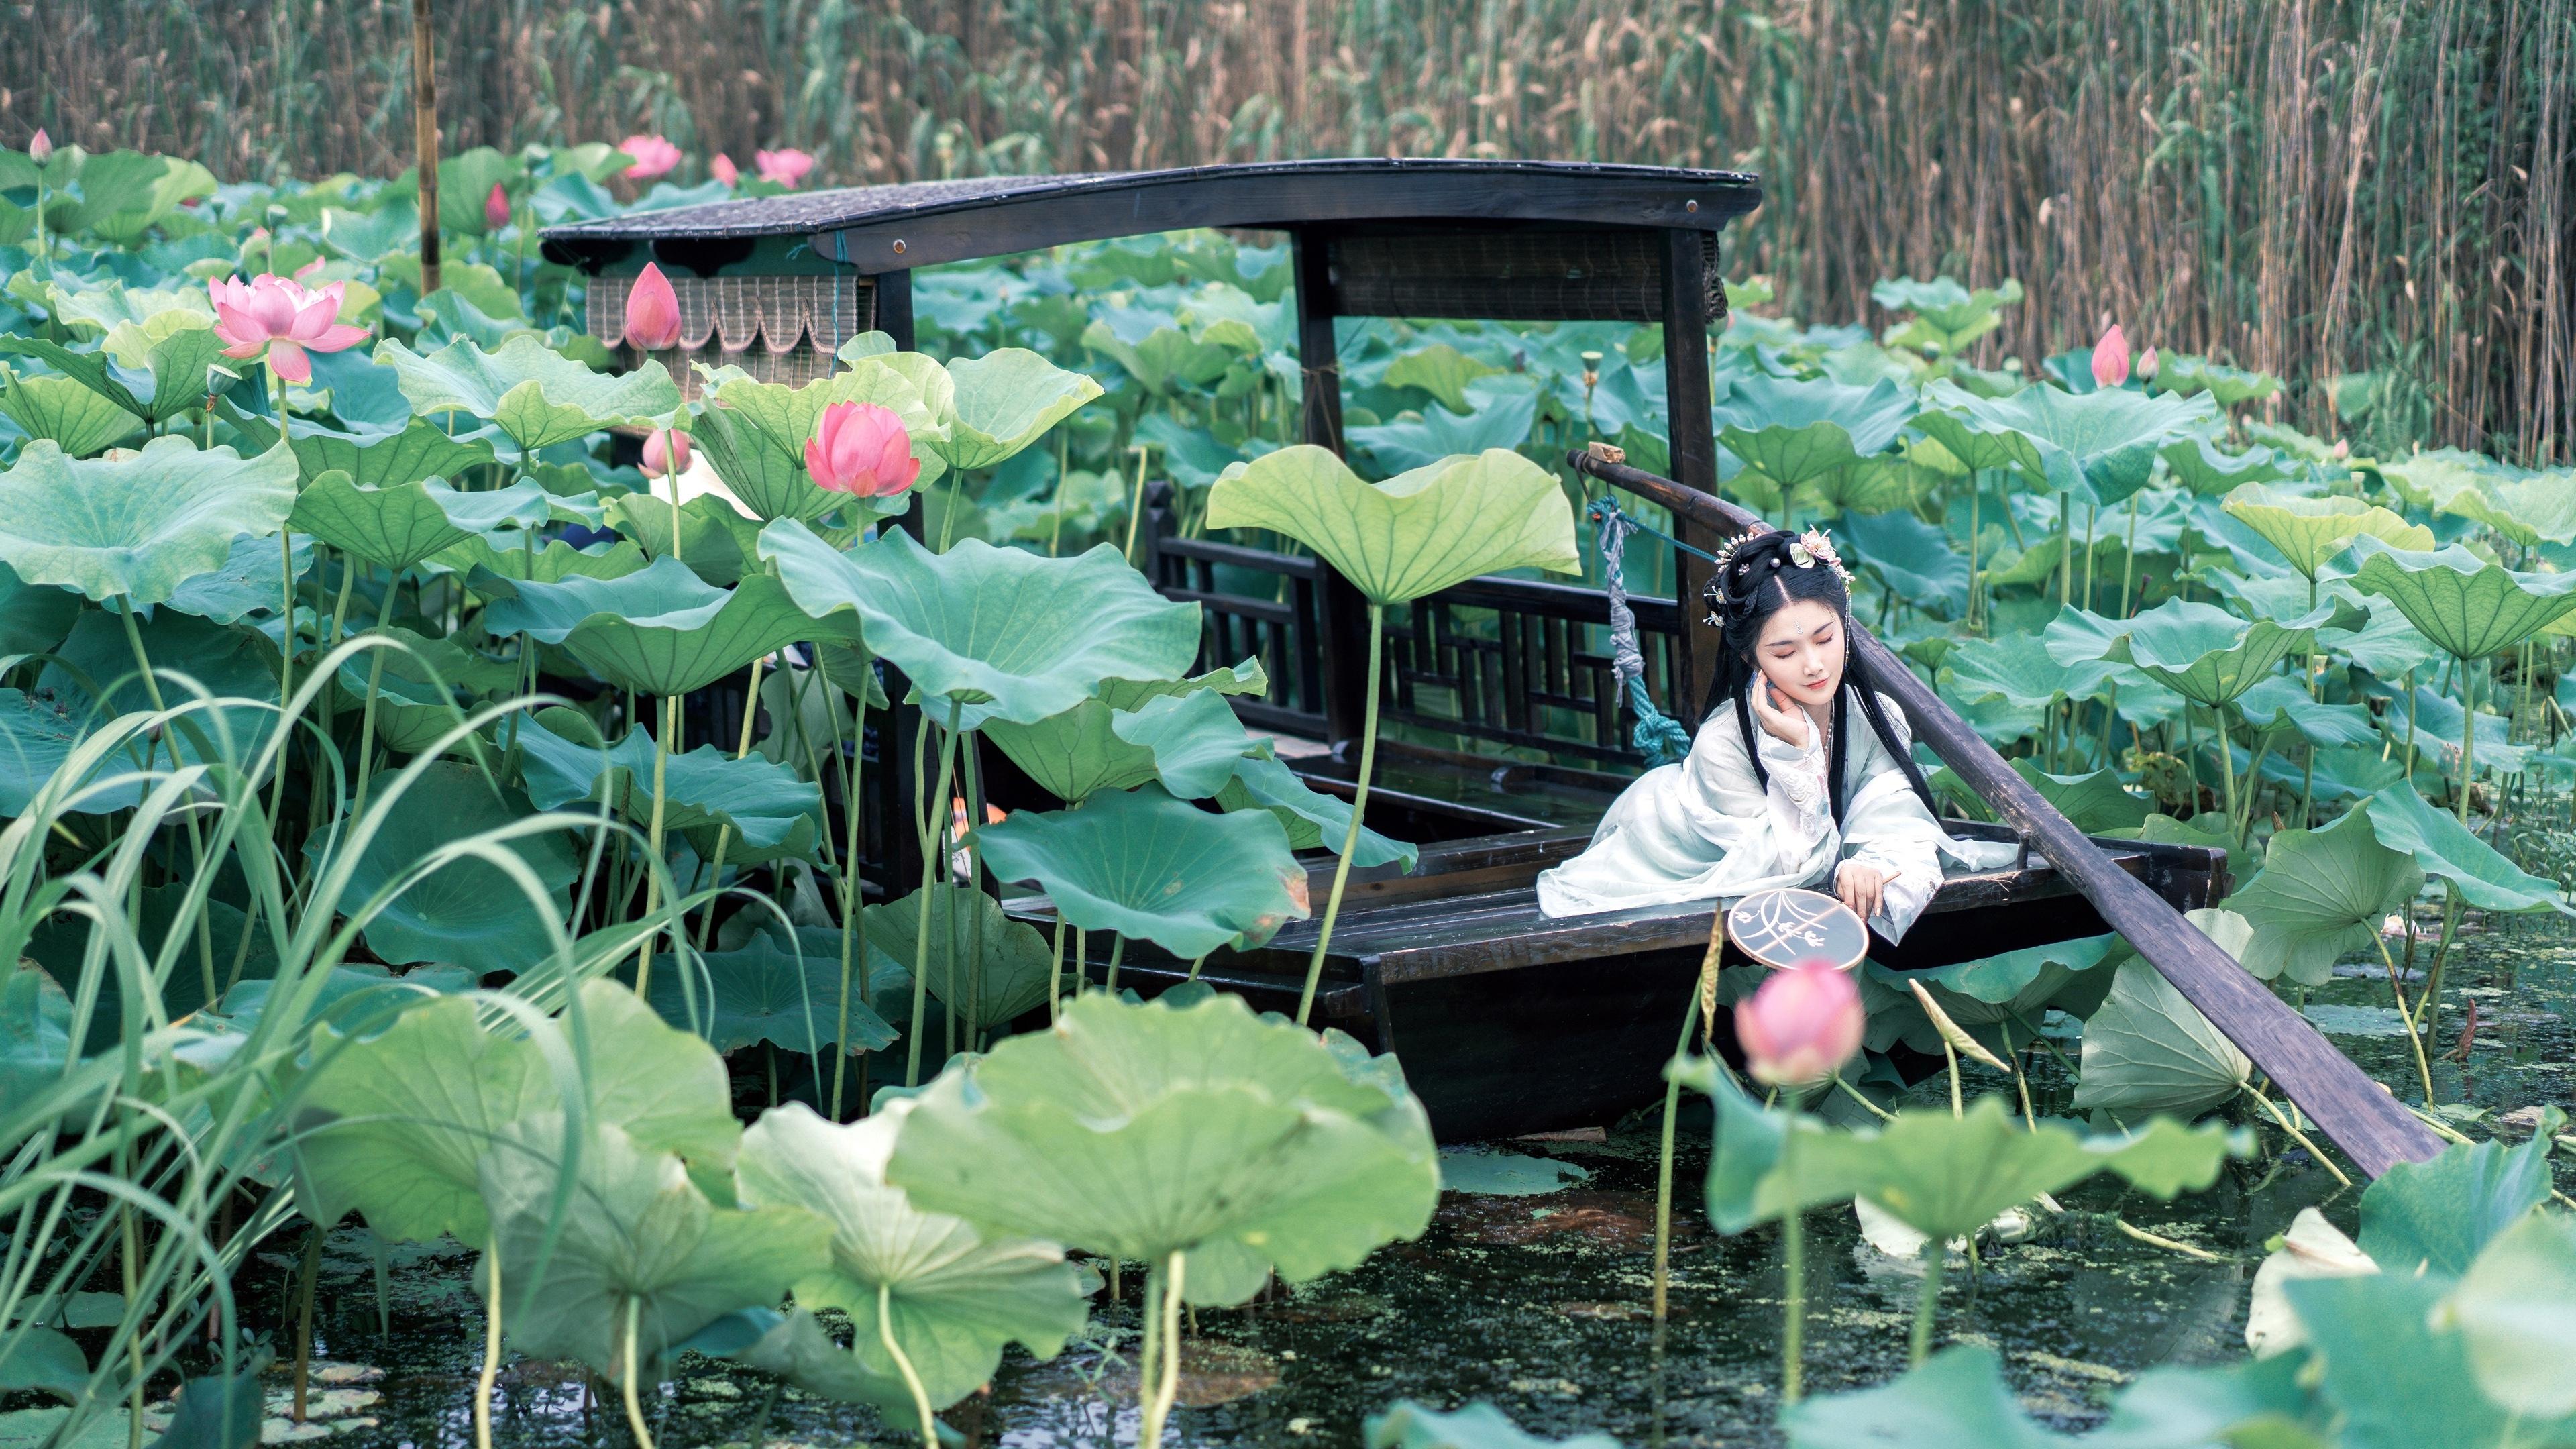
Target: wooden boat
column 1504, row 1021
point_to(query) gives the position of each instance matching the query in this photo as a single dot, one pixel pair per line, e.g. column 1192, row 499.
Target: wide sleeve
column 1791, row 801
column 1886, row 825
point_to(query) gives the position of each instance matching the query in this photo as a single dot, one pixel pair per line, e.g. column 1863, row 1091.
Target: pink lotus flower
column 40, row 147
column 723, row 169
column 2393, row 927
column 787, row 167
column 1801, row 1026
column 496, row 208
column 652, row 311
column 863, row 449
column 279, row 316
column 2147, row 365
column 2111, row 358
column 653, row 155
column 666, row 452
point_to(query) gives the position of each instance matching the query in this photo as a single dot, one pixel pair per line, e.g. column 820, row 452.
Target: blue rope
column 1657, row 736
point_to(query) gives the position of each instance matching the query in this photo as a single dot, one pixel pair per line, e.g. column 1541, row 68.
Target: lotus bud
column 40, row 147
column 652, row 311
column 861, row 448
column 496, row 208
column 2111, row 358
column 723, row 169
column 2393, row 927
column 666, row 451
column 1801, row 1026
column 653, row 155
column 786, row 166
column 2342, row 449
column 2147, row 365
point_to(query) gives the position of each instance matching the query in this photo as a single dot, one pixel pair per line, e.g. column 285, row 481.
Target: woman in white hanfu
column 1800, row 775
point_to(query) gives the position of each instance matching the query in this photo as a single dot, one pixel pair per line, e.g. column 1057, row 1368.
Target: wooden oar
column 2359, row 1114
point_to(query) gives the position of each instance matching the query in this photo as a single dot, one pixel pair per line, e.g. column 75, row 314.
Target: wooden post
column 1694, row 455
column 1343, row 612
column 897, row 852
column 2359, row 1114
column 424, row 134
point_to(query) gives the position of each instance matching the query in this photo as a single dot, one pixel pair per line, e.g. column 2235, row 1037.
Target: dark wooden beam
column 2358, row 1113
column 1344, row 613
column 1694, row 452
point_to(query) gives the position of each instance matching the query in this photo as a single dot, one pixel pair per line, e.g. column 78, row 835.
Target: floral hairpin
column 1812, row 548
column 1726, row 550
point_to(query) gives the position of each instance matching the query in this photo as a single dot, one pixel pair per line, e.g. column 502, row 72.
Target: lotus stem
column 724, row 832
column 2301, row 1137
column 2129, row 557
column 1359, row 809
column 2468, row 741
column 671, row 465
column 634, row 1406
column 2159, row 1241
column 854, row 902
column 1793, row 1297
column 1163, row 1302
column 1055, row 973
column 1950, row 1057
column 2423, row 1067
column 1918, row 1343
column 921, row 931
column 1855, row 1094
column 312, row 1266
column 668, row 710
column 974, row 993
column 196, row 837
column 903, row 1365
column 1664, row 1155
column 1117, row 948
column 1135, row 505
column 491, row 1371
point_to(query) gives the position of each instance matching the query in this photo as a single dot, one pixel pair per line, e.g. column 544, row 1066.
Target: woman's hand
column 1862, row 887
column 1781, row 719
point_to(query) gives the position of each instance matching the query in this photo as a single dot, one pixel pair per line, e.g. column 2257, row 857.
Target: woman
column 1800, row 774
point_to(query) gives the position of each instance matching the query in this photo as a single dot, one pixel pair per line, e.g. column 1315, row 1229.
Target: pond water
column 1538, row 1302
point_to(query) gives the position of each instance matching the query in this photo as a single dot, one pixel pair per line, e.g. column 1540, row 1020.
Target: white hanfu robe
column 1706, row 828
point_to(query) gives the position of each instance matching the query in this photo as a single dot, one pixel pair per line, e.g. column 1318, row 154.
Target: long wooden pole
column 2361, row 1116
column 424, row 131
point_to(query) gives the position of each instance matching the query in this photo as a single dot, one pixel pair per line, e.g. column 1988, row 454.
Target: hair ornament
column 1726, row 550
column 1812, row 548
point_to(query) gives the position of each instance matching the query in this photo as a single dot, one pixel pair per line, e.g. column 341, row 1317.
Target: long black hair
column 1760, row 578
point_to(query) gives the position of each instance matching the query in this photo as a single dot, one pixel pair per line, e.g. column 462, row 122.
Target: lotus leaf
column 1415, row 533
column 782, row 990
column 2022, row 669
column 2202, row 652
column 1440, row 370
column 33, row 617
column 2322, row 893
column 2014, row 989
column 43, row 1360
column 1959, row 1398
column 955, row 1296
column 35, row 1042
column 2278, row 703
column 2211, row 471
column 225, row 679
column 633, row 1231
column 1796, row 433
column 532, row 392
column 661, row 630
column 2438, row 1216
column 510, row 559
column 184, row 357
column 2465, row 605
column 468, row 912
column 421, row 450
column 771, row 811
column 1006, row 400
column 1408, row 1425
column 2400, row 1382
column 91, row 369
column 1145, row 865
column 2388, row 646
column 754, row 433
column 1314, row 819
column 1143, row 1131
column 2444, row 847
column 2148, row 1049
column 1914, row 559
column 1074, row 753
column 398, row 525
column 1194, row 739
column 2102, row 445
column 1943, row 1176
column 250, row 581
column 2516, row 1307
column 67, row 411
column 1498, row 420
column 137, row 527
column 2308, row 531
column 1015, row 961
column 986, row 628
column 2098, row 803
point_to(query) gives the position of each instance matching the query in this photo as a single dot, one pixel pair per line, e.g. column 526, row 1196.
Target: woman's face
column 1801, row 651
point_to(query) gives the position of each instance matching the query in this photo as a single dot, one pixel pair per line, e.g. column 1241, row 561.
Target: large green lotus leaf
column 2467, row 606
column 772, row 812
column 2399, row 1381
column 1501, row 419
column 663, row 1086
column 1408, row 1425
column 421, row 450
column 2429, row 479
column 234, row 668
column 2532, row 510
column 2149, row 1050
column 2209, row 470
column 2444, row 847
column 185, row 358
column 33, row 617
column 469, row 912
column 2021, row 669
column 67, row 411
column 1194, row 739
column 137, row 527
column 2098, row 803
column 754, row 433
column 716, row 541
column 2015, row 987
column 634, row 1230
column 1012, row 959
column 954, row 1295
column 2388, row 645
column 1138, row 1131
column 2202, row 652
column 1146, row 865
column 35, row 1039
column 533, row 393
column 2278, row 703
column 2322, row 893
column 1959, row 1400
column 1313, row 819
column 1004, row 401
column 400, row 524
column 1440, row 370
column 2516, row 1307
column 2102, row 443
column 391, row 1126
column 43, row 1360
column 92, row 369
column 2308, row 531
column 1414, row 534
column 2438, row 1216
column 1000, row 632
column 1074, row 752
column 1797, row 433
column 251, row 580
column 509, row 558
column 659, row 630
column 1944, row 1176
column 783, row 991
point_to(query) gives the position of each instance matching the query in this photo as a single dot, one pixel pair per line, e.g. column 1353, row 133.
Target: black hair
column 1758, row 579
